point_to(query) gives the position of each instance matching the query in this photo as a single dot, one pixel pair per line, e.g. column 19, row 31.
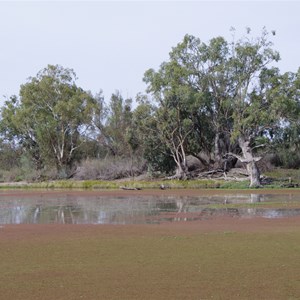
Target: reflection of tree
column 18, row 213
column 254, row 198
column 36, row 214
column 181, row 204
column 61, row 214
column 77, row 209
column 13, row 214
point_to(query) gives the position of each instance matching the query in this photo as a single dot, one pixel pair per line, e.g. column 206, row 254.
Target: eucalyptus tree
column 207, row 72
column 180, row 115
column 50, row 117
column 113, row 133
column 199, row 75
column 148, row 137
column 10, row 155
column 286, row 139
column 234, row 82
column 259, row 106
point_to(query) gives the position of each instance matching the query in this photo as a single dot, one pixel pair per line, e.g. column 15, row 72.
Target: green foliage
column 181, row 116
column 49, row 117
column 147, row 134
column 220, row 98
column 10, row 155
column 116, row 133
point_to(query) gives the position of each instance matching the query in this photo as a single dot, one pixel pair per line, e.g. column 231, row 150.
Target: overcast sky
column 110, row 44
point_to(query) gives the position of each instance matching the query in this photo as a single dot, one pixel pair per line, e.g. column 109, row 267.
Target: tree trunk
column 250, row 161
column 254, row 174
column 217, row 152
column 179, row 157
column 181, row 172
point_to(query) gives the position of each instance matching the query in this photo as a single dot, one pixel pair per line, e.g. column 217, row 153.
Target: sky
column 110, row 44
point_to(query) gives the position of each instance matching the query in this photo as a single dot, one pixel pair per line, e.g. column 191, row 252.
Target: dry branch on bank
column 129, row 188
column 234, row 174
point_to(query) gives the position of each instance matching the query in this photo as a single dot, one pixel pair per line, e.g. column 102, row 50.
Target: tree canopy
column 218, row 101
column 50, row 116
column 232, row 88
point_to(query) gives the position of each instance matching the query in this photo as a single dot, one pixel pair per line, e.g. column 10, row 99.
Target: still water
column 66, row 208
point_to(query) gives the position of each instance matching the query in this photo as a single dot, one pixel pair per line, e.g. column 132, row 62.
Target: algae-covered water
column 237, row 257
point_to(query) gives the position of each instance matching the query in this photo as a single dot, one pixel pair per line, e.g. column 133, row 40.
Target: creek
column 73, row 208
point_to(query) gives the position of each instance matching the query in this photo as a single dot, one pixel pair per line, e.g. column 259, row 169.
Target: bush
column 110, row 168
column 286, row 159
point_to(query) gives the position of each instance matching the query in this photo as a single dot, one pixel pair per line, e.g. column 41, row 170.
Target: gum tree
column 257, row 106
column 179, row 118
column 206, row 70
column 235, row 81
column 149, row 137
column 50, row 117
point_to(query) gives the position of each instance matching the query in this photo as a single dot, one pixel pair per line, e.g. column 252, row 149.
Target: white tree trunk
column 179, row 157
column 181, row 172
column 250, row 161
column 254, row 174
column 217, row 152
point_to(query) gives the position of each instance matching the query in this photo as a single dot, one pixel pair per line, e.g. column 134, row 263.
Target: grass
column 149, row 263
column 284, row 174
column 279, row 178
column 151, row 184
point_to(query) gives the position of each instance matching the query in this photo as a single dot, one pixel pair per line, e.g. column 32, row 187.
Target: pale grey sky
column 110, row 44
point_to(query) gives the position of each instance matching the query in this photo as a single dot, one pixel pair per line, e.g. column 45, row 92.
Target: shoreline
column 146, row 192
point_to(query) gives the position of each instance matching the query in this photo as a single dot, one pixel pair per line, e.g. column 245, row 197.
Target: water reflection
column 79, row 209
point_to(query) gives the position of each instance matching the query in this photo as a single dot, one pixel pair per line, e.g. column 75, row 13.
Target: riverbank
column 275, row 179
column 151, row 184
column 141, row 192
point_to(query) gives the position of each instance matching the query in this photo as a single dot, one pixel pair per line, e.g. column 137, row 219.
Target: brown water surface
column 142, row 207
column 204, row 245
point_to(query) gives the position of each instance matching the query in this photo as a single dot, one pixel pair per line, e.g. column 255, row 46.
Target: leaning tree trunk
column 254, row 174
column 251, row 162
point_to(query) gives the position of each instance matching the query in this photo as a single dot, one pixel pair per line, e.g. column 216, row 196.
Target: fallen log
column 129, row 188
column 210, row 173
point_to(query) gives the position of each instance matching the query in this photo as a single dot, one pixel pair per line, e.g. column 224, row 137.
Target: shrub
column 286, row 159
column 110, row 168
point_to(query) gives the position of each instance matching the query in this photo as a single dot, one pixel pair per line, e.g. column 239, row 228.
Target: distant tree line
column 218, row 102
